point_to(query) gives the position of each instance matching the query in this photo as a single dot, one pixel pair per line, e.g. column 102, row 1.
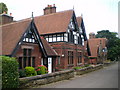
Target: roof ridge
column 97, row 38
column 54, row 13
column 35, row 17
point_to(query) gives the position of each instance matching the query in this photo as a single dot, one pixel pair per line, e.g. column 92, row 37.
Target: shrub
column 30, row 71
column 22, row 73
column 41, row 69
column 76, row 68
column 10, row 75
column 86, row 65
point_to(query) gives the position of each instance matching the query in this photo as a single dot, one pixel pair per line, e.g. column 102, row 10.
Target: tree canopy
column 113, row 44
column 3, row 8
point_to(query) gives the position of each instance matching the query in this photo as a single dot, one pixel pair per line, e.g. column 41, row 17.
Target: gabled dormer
column 59, row 27
column 73, row 32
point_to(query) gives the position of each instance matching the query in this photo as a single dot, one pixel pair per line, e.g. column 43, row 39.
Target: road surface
column 103, row 78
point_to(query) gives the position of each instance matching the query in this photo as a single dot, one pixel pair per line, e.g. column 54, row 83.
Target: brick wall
column 62, row 49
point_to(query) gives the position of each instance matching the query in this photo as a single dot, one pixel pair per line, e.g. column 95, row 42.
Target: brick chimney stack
column 91, row 35
column 49, row 9
column 6, row 18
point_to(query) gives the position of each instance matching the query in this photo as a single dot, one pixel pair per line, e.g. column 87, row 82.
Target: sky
column 97, row 14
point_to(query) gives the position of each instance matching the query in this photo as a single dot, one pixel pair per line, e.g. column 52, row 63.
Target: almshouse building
column 98, row 49
column 55, row 39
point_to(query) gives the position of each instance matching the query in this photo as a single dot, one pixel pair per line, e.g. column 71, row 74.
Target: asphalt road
column 103, row 78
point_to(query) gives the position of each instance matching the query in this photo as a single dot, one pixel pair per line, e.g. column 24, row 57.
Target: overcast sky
column 97, row 14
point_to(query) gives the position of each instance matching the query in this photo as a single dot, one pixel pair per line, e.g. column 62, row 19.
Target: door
column 49, row 65
column 45, row 62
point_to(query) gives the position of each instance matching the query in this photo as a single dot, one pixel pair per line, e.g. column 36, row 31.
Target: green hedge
column 30, row 71
column 10, row 75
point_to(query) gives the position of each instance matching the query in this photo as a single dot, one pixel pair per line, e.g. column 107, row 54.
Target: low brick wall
column 34, row 81
column 88, row 69
column 28, row 82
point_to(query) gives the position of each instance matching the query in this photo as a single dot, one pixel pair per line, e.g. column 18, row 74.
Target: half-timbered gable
column 59, row 27
column 73, row 32
column 21, row 40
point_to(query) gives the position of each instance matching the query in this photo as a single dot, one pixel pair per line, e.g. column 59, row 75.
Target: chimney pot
column 10, row 14
column 53, row 5
column 50, row 9
column 91, row 35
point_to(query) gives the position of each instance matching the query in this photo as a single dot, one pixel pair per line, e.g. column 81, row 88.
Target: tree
column 3, row 8
column 113, row 44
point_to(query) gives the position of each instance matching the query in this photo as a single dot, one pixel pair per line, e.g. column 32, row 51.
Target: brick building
column 98, row 49
column 55, row 39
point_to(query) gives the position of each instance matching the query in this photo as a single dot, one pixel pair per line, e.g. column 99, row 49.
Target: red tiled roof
column 46, row 24
column 94, row 43
column 11, row 34
column 48, row 48
column 53, row 23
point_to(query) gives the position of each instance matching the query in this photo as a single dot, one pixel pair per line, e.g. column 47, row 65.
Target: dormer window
column 50, row 38
column 55, row 37
column 66, row 37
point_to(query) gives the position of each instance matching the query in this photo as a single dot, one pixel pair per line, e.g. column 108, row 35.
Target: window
column 27, row 59
column 61, row 37
column 70, row 36
column 33, row 62
column 66, row 37
column 70, row 57
column 75, row 39
column 79, row 57
column 30, row 37
column 24, row 52
column 58, row 37
column 50, row 38
column 54, row 38
column 47, row 39
column 29, row 52
column 26, row 40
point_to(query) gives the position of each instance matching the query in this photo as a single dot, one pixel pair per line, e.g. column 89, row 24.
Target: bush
column 86, row 65
column 76, row 68
column 30, row 71
column 41, row 69
column 22, row 73
column 10, row 75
